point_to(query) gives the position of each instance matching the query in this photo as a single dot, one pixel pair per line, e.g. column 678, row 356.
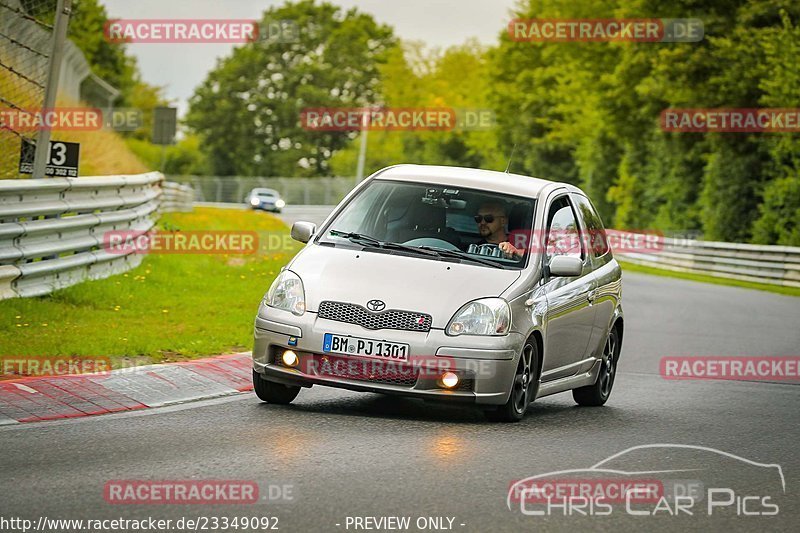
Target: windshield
column 467, row 225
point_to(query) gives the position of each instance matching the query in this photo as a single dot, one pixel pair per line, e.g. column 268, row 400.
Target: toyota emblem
column 376, row 305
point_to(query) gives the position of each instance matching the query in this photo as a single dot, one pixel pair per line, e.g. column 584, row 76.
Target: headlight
column 487, row 316
column 287, row 293
column 254, row 201
column 279, row 203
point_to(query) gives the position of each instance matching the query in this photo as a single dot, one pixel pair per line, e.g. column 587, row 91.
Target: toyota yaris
column 451, row 284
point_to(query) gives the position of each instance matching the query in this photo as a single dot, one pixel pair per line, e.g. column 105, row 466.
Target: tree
column 589, row 113
column 418, row 77
column 247, row 111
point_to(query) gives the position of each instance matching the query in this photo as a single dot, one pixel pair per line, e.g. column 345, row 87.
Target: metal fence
column 294, row 191
column 25, row 41
column 775, row 265
column 32, row 39
column 52, row 231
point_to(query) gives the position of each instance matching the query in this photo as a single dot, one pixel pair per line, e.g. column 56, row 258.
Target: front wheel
column 598, row 394
column 524, row 388
column 270, row 392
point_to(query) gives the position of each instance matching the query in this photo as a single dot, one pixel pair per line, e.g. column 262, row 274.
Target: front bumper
column 266, row 207
column 486, row 365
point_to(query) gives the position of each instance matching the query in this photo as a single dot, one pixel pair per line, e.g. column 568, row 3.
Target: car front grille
column 388, row 319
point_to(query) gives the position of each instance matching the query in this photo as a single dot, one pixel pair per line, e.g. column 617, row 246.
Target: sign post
column 63, row 10
column 165, row 123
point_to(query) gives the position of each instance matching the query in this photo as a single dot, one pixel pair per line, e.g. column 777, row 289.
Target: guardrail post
column 42, row 154
column 218, row 196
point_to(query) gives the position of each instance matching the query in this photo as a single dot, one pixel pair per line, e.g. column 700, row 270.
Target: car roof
column 490, row 180
column 259, row 190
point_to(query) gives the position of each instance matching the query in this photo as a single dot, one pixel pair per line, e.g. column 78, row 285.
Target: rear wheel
column 598, row 394
column 271, row 392
column 524, row 389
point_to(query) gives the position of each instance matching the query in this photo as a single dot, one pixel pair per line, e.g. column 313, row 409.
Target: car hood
column 438, row 288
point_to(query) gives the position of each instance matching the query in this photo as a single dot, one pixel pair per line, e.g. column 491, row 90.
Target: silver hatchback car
column 450, row 284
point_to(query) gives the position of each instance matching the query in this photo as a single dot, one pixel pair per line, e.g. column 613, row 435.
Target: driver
column 491, row 220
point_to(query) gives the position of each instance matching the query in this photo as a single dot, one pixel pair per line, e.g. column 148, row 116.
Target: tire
column 524, row 388
column 597, row 394
column 271, row 392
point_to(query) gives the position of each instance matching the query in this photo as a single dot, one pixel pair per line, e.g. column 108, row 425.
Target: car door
column 570, row 315
column 605, row 271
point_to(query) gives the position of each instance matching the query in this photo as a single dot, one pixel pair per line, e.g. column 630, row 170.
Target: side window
column 563, row 234
column 356, row 215
column 595, row 233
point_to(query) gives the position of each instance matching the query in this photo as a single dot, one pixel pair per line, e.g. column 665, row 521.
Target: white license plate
column 393, row 351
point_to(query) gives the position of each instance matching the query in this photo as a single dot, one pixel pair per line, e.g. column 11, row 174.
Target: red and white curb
column 34, row 399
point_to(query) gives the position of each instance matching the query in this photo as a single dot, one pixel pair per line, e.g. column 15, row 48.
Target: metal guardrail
column 51, row 230
column 775, row 265
column 176, row 197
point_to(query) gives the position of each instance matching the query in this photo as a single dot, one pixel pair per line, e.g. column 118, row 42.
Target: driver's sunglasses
column 488, row 218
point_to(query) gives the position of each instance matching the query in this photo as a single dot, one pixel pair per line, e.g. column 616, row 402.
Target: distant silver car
column 451, row 284
column 265, row 199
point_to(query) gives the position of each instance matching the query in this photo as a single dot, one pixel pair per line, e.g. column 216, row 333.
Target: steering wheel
column 432, row 241
column 487, row 249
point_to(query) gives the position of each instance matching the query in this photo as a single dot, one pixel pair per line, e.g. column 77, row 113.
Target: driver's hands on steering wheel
column 510, row 250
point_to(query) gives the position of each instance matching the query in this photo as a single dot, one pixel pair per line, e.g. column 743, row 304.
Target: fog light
column 289, row 358
column 449, row 380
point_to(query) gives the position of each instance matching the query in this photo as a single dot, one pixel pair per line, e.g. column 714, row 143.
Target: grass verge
column 779, row 289
column 171, row 307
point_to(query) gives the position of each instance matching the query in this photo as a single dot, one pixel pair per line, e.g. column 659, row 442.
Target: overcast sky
column 182, row 67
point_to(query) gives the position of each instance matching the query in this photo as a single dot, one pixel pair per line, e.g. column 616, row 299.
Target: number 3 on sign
column 58, row 154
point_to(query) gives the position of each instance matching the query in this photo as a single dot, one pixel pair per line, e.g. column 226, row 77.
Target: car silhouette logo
column 376, row 305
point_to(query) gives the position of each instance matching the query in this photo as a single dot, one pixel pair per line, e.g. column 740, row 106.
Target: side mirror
column 302, row 231
column 566, row 265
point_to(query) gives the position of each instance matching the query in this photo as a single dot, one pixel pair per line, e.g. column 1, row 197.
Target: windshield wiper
column 360, row 238
column 461, row 255
column 355, row 237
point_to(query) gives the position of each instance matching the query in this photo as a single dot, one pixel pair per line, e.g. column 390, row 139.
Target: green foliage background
column 581, row 112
